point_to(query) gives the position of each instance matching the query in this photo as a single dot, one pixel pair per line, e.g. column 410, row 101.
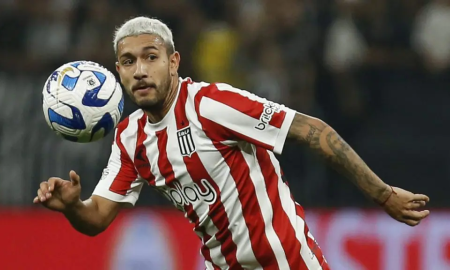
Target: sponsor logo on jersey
column 269, row 109
column 140, row 158
column 182, row 196
column 104, row 173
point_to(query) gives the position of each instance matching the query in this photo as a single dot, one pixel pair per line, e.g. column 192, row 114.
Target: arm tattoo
column 325, row 141
column 311, row 133
column 345, row 160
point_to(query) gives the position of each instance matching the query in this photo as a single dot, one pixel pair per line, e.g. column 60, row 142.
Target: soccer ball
column 82, row 101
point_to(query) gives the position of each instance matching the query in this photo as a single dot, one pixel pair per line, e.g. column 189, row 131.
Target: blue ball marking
column 91, row 98
column 77, row 122
column 76, row 64
column 106, row 123
column 100, row 76
column 121, row 105
column 69, row 82
column 53, row 78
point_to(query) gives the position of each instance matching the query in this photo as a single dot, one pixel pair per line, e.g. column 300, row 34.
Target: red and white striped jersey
column 212, row 156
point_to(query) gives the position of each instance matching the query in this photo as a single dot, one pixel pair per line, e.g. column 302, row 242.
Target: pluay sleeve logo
column 268, row 110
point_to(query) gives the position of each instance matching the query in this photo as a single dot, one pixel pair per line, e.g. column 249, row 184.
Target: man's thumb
column 74, row 178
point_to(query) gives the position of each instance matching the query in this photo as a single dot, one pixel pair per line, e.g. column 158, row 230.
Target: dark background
column 377, row 71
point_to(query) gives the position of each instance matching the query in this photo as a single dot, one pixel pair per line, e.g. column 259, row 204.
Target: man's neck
column 157, row 115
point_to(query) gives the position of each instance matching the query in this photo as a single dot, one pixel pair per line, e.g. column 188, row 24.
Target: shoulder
column 200, row 89
column 129, row 126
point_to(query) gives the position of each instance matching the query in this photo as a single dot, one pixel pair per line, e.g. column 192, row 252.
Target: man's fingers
column 416, row 204
column 416, row 215
column 411, row 222
column 36, row 199
column 52, row 182
column 74, row 178
column 420, row 197
column 41, row 196
column 44, row 189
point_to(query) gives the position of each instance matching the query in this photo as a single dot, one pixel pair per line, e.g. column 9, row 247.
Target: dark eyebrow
column 151, row 47
column 130, row 55
column 127, row 55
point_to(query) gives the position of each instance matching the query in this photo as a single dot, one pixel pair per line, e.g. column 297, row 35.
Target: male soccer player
column 209, row 148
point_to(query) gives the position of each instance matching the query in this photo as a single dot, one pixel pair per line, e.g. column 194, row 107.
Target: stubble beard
column 156, row 103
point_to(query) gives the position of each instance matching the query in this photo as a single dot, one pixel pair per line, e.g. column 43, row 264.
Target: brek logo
column 269, row 109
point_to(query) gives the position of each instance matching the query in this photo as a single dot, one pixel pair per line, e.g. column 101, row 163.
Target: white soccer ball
column 82, row 101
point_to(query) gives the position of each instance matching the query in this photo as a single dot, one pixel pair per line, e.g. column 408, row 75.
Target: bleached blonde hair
column 145, row 25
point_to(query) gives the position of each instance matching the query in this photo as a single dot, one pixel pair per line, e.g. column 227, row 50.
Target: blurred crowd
column 377, row 71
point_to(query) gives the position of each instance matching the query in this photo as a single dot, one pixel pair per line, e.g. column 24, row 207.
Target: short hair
column 144, row 25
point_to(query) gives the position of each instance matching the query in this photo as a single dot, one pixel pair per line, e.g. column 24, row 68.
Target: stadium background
column 377, row 71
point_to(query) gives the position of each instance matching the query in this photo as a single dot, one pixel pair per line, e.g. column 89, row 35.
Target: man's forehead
column 137, row 43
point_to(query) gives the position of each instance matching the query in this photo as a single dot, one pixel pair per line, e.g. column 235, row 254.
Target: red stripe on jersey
column 313, row 246
column 251, row 210
column 197, row 171
column 205, row 238
column 280, row 221
column 164, row 165
column 219, row 133
column 247, row 196
column 141, row 161
column 243, row 104
column 127, row 173
column 166, row 170
column 246, row 190
column 206, row 252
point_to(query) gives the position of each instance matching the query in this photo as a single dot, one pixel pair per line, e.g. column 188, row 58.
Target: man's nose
column 141, row 70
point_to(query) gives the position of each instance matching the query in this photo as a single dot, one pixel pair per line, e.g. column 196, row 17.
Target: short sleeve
column 246, row 116
column 119, row 181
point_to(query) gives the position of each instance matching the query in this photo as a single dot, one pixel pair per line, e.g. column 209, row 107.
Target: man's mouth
column 143, row 88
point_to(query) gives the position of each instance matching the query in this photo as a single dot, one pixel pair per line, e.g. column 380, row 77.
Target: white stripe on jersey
column 201, row 209
column 229, row 193
column 214, row 247
column 151, row 150
column 208, row 265
column 237, row 121
column 249, row 153
column 128, row 136
column 114, row 166
column 297, row 222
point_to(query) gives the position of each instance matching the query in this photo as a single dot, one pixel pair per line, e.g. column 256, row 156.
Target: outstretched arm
column 325, row 141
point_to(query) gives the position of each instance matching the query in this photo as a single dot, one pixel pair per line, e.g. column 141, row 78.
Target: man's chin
column 147, row 103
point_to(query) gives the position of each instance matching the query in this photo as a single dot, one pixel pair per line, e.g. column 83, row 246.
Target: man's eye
column 127, row 62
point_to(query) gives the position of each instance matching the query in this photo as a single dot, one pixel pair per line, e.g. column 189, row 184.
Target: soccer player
column 209, row 148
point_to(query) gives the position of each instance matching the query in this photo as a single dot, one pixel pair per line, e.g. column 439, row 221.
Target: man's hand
column 58, row 194
column 404, row 206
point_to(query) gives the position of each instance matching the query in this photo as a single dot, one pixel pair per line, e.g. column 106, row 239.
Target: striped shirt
column 212, row 156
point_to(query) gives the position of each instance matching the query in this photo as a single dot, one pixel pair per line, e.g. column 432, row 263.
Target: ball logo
column 269, row 109
column 91, row 82
column 182, row 196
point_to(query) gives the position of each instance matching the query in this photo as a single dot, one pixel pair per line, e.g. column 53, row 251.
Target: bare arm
column 325, row 141
column 92, row 216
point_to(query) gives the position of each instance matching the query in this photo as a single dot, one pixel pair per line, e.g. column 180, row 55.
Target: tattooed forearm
column 311, row 133
column 325, row 141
